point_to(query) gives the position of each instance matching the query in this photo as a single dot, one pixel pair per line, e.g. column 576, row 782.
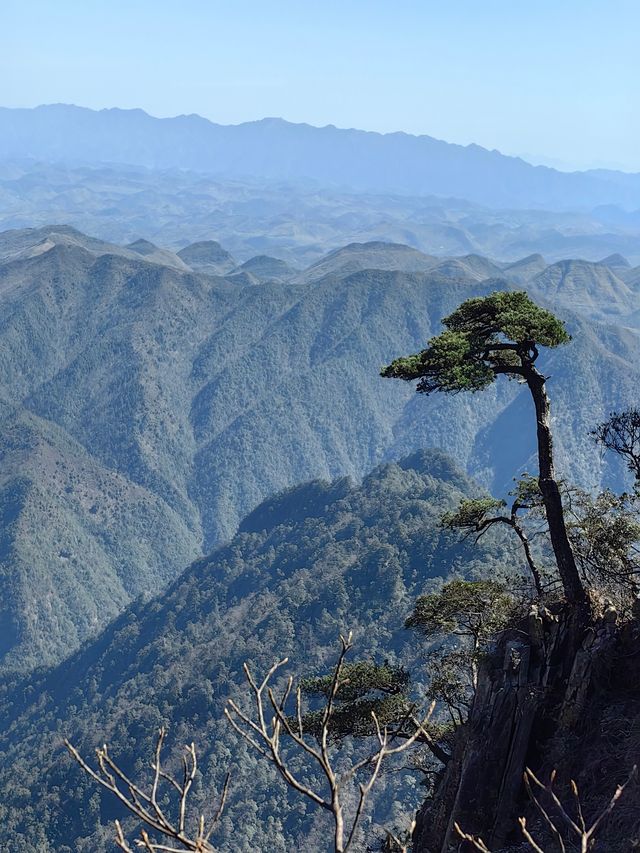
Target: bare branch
column 145, row 806
column 582, row 835
column 402, row 845
column 533, row 844
column 265, row 739
column 476, row 843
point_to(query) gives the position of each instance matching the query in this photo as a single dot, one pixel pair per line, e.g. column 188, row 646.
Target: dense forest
column 513, row 615
column 315, row 561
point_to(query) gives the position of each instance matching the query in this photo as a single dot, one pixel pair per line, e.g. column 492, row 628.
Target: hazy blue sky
column 557, row 80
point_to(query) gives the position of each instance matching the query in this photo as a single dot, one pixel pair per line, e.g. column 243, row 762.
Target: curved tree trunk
column 573, row 587
column 522, row 536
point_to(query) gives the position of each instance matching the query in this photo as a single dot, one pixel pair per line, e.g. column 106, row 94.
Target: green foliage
column 605, row 535
column 358, row 679
column 527, row 506
column 474, row 609
column 354, row 719
column 365, row 688
column 509, row 315
column 484, row 336
column 450, row 363
column 526, row 493
column 472, row 513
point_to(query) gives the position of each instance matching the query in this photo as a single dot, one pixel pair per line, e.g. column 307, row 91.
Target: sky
column 557, row 82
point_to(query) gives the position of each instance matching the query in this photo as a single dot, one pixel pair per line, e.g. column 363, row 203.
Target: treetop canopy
column 483, row 337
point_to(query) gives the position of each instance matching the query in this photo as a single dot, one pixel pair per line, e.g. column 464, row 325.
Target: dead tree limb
column 263, row 733
column 145, row 806
column 399, row 844
column 581, row 835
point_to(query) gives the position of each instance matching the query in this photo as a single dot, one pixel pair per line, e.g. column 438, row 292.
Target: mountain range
column 297, row 221
column 273, row 149
column 199, row 461
column 151, row 399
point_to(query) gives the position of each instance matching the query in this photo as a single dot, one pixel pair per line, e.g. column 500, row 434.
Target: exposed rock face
column 532, row 693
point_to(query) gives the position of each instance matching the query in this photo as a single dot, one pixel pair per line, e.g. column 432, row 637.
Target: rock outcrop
column 533, row 690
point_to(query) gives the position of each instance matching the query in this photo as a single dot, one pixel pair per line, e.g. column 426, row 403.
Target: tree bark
column 573, row 587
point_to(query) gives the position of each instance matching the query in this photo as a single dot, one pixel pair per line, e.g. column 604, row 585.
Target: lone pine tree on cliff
column 484, row 338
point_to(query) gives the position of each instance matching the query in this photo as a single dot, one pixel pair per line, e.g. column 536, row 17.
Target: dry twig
column 584, row 836
column 145, row 805
column 476, row 843
column 400, row 844
column 271, row 720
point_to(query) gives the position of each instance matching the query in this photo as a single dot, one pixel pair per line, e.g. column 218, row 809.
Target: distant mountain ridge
column 295, row 221
column 275, row 149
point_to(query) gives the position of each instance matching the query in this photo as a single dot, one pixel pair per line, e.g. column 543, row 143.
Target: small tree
column 480, row 514
column 472, row 610
column 371, row 692
column 452, row 674
column 269, row 725
column 605, row 533
column 366, row 688
column 621, row 434
column 483, row 338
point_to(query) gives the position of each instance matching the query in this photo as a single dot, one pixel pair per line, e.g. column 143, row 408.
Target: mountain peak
column 267, row 268
column 615, row 260
column 208, row 256
column 150, row 252
column 142, row 247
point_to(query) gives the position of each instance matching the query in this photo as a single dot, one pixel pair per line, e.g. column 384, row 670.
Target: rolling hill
column 296, row 221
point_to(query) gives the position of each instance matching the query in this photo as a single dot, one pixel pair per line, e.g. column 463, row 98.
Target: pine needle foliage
column 485, row 336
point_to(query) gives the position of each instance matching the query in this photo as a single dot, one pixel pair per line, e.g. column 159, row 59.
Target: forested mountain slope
column 145, row 409
column 320, row 559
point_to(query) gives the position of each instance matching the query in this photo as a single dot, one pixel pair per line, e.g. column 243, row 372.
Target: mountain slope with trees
column 314, row 561
column 169, row 403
